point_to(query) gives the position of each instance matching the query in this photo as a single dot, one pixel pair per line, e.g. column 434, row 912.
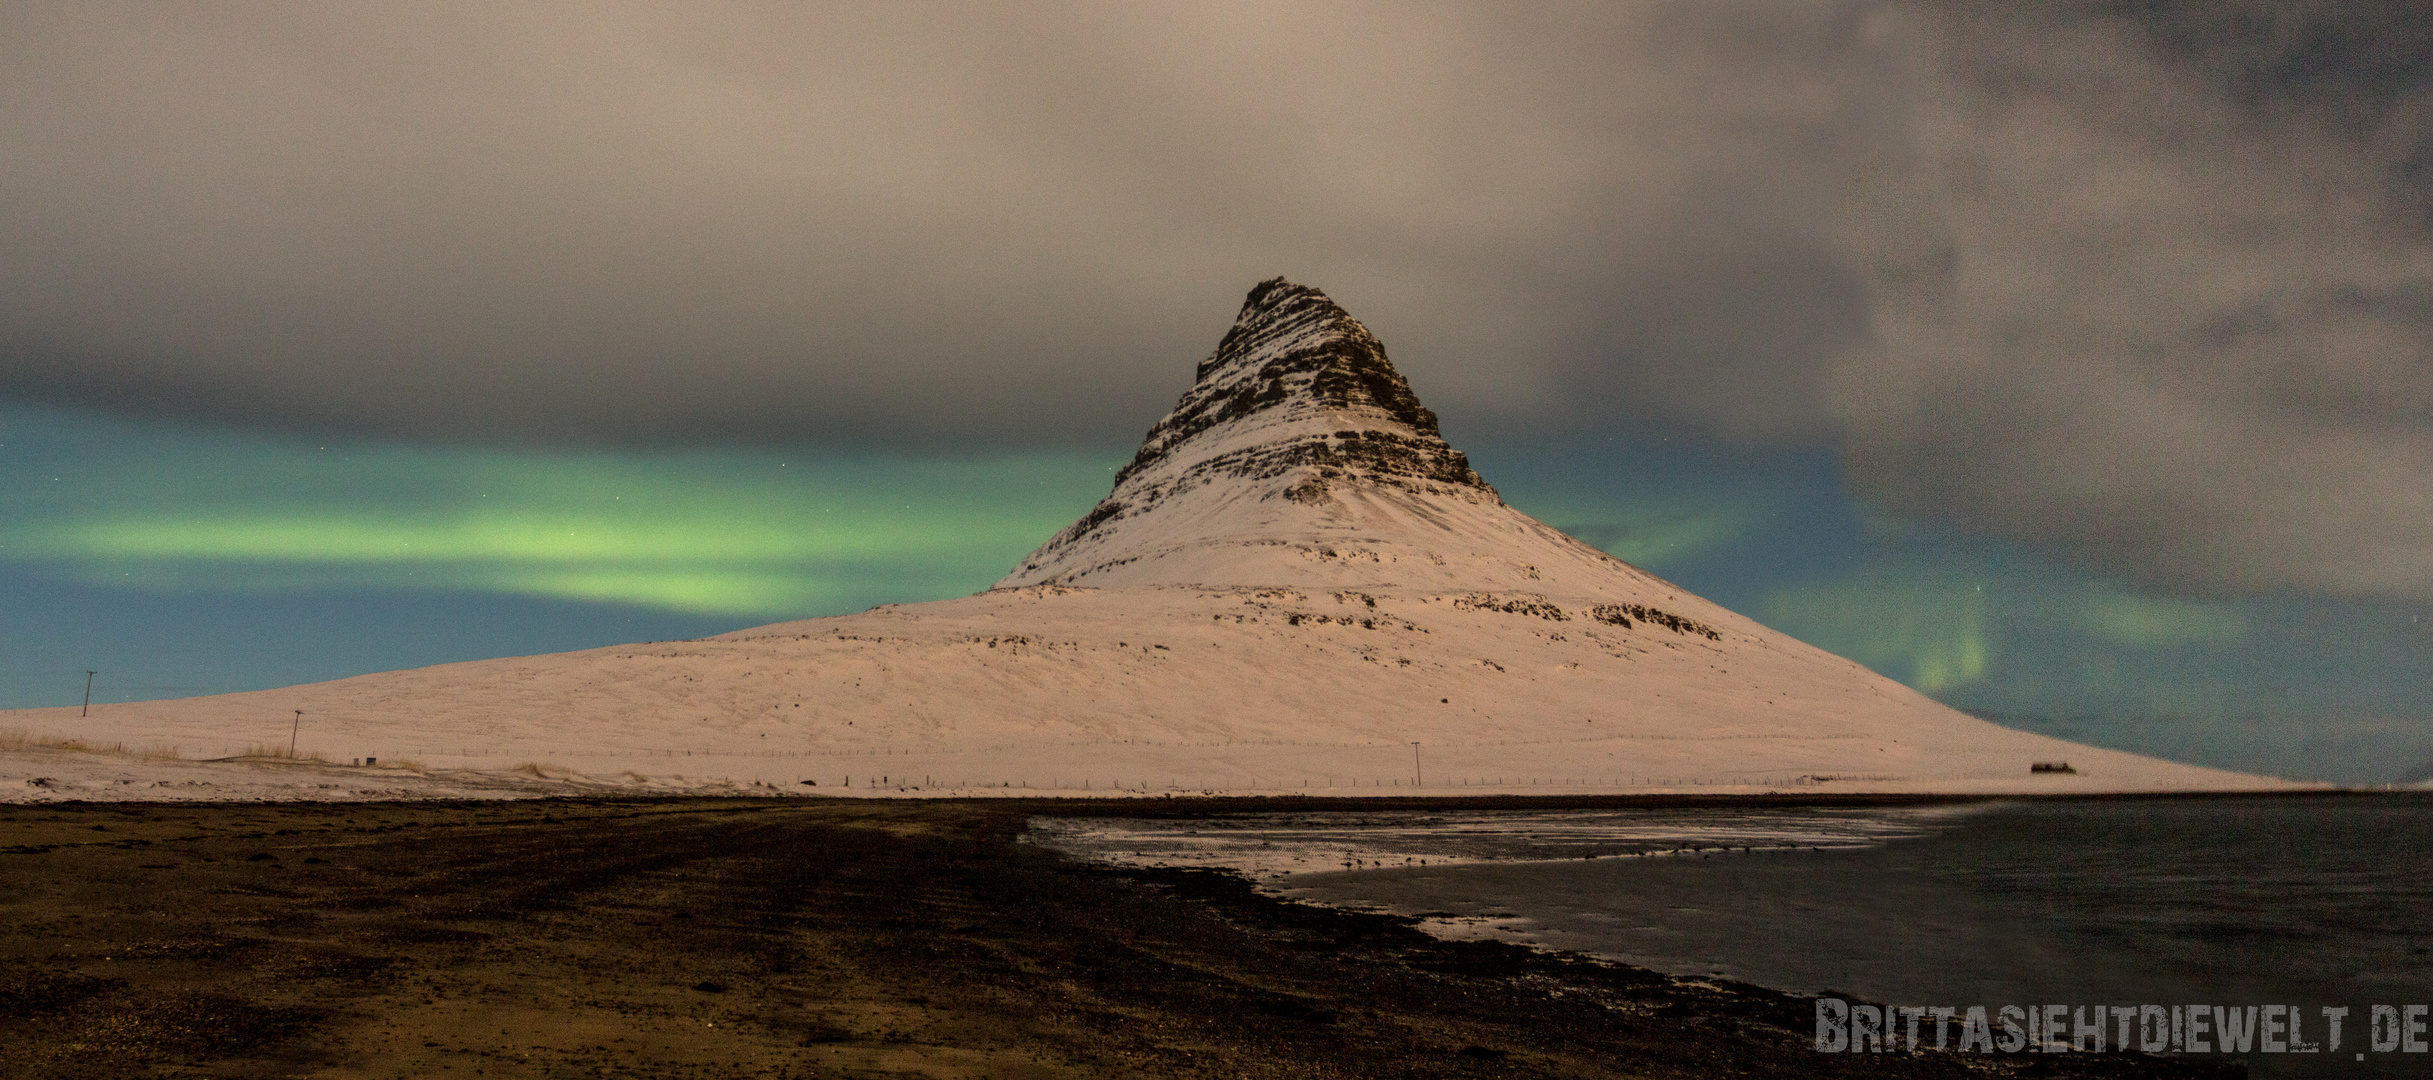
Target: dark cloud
column 2185, row 320
column 2146, row 281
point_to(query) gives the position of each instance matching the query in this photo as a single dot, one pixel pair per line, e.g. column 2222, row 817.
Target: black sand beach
column 788, row 938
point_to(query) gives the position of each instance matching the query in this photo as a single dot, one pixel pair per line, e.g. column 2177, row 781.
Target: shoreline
column 59, row 770
column 794, row 937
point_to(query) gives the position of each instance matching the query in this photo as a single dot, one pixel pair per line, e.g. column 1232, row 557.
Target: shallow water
column 2304, row 901
column 1274, row 847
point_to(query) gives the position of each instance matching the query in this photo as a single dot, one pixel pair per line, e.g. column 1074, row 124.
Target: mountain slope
column 1293, row 583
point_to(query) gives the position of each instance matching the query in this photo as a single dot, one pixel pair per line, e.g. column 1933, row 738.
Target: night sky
column 2072, row 365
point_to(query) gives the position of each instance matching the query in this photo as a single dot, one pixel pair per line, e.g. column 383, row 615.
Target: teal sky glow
column 194, row 560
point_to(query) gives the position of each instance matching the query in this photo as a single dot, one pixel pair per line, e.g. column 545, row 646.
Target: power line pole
column 1418, row 779
column 291, row 733
column 88, row 693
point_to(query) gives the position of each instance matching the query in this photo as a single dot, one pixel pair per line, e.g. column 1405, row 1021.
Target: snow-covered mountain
column 1297, row 585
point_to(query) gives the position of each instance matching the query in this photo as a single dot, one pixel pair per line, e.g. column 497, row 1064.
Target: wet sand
column 788, row 938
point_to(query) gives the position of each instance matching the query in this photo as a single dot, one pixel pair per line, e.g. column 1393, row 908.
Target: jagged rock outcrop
column 1292, row 358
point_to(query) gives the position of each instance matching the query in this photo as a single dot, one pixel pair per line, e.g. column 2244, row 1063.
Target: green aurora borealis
column 188, row 560
column 725, row 534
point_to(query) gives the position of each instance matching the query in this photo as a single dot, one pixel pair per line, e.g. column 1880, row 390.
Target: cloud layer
column 2149, row 283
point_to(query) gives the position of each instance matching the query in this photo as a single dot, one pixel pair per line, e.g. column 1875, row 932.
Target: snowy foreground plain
column 1084, row 692
column 1296, row 588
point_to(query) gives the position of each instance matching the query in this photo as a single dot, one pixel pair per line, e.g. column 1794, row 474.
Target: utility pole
column 291, row 733
column 88, row 693
column 1418, row 779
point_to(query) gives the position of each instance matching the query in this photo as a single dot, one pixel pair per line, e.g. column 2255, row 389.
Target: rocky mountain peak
column 1297, row 429
column 1297, row 369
